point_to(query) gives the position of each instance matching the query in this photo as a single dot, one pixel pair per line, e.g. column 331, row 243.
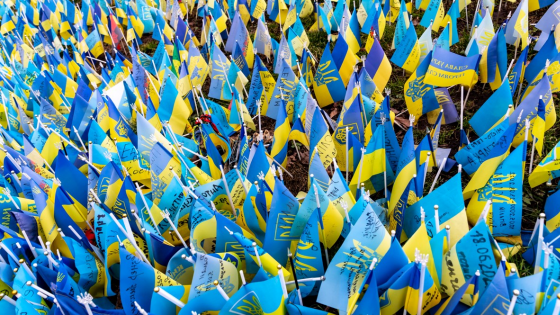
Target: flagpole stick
column 532, row 148
column 240, row 180
column 130, row 239
column 169, row 297
column 344, row 205
column 152, row 82
column 29, row 243
column 10, row 253
column 436, row 217
column 513, row 300
column 228, row 191
column 85, row 299
column 282, row 281
column 165, row 214
column 290, row 257
column 437, row 174
column 39, row 289
column 259, row 108
column 5, row 297
column 360, row 171
column 257, row 253
column 475, row 11
column 41, row 243
column 421, row 286
column 321, row 278
column 462, row 108
column 187, row 189
column 27, row 270
column 427, row 162
column 542, row 216
column 80, row 138
column 509, row 69
column 282, row 167
column 299, row 156
column 448, row 233
column 242, row 276
column 147, row 208
column 52, row 262
column 221, row 290
column 485, row 211
column 466, row 14
column 322, row 230
column 346, row 153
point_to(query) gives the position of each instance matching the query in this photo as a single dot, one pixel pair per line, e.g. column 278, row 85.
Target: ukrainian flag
column 352, row 120
column 406, row 168
column 258, row 297
column 321, row 138
column 279, row 151
column 538, row 4
column 476, row 244
column 448, row 307
column 407, row 55
column 378, row 66
column 539, row 126
column 487, row 168
column 344, row 59
column 328, row 84
column 373, row 164
column 353, row 33
column 173, row 108
column 548, row 168
column 450, row 20
column 447, row 69
column 493, row 63
column 298, row 133
column 420, row 97
column 430, row 293
column 198, row 68
column 268, row 263
column 147, row 137
column 262, row 86
column 135, row 27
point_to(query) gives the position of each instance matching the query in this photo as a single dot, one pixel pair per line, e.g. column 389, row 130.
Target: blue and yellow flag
column 263, row 297
column 407, row 55
column 490, row 163
column 505, row 189
column 493, row 110
column 328, row 85
column 406, row 168
column 321, row 138
column 351, row 262
column 548, row 168
column 476, row 245
column 352, row 119
column 331, row 217
column 344, row 59
column 378, row 66
column 493, row 63
column 279, row 151
column 447, row 69
column 420, row 98
column 308, row 258
column 283, row 210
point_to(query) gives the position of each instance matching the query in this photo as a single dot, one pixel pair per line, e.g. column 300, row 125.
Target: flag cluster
column 144, row 183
